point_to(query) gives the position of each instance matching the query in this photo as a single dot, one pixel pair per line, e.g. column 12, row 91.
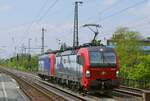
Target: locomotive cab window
column 102, row 59
column 109, row 57
column 96, row 57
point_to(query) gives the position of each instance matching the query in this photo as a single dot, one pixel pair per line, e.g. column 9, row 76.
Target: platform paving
column 9, row 89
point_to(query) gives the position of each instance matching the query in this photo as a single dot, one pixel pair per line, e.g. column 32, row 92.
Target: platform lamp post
column 17, row 61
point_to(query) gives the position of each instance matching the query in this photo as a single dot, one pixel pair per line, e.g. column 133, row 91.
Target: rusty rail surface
column 145, row 94
column 44, row 91
column 32, row 90
column 38, row 92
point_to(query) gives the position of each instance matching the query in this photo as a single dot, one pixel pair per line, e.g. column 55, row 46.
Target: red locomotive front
column 100, row 68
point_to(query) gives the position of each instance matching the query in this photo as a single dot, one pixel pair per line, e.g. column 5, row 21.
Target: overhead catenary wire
column 102, row 11
column 140, row 19
column 30, row 22
column 42, row 8
column 46, row 12
column 136, row 24
column 105, row 9
column 39, row 19
column 118, row 12
column 123, row 10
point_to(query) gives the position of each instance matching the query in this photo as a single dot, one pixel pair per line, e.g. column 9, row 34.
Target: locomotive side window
column 80, row 60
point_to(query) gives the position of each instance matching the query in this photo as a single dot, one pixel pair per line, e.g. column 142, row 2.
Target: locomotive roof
column 75, row 50
column 91, row 48
column 98, row 48
column 67, row 52
column 43, row 56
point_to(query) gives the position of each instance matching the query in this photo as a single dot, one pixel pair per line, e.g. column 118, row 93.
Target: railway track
column 32, row 90
column 38, row 90
column 130, row 91
column 56, row 93
column 136, row 92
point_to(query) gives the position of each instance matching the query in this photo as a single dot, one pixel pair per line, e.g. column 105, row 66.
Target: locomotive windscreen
column 102, row 59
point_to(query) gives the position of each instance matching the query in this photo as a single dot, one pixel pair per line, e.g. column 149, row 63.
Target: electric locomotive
column 90, row 69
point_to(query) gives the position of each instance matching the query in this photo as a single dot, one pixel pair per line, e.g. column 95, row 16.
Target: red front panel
column 52, row 63
column 97, row 73
column 84, row 53
column 103, row 73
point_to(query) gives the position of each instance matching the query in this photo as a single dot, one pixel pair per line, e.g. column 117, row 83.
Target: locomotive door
column 80, row 62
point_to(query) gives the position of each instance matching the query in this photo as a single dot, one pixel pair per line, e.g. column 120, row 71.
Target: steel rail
column 38, row 92
column 33, row 91
column 144, row 94
column 60, row 94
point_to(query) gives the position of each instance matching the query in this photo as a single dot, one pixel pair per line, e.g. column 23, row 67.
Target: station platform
column 9, row 89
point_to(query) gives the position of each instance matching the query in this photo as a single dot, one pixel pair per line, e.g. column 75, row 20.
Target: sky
column 21, row 20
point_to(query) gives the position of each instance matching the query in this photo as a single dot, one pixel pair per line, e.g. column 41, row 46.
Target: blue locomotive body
column 44, row 65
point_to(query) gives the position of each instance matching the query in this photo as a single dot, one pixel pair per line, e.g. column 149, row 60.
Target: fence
column 144, row 84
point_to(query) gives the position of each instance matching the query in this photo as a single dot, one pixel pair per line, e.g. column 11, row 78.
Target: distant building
column 145, row 45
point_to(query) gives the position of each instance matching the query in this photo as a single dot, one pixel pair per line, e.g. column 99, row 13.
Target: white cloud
column 5, row 7
column 148, row 3
column 21, row 35
column 109, row 2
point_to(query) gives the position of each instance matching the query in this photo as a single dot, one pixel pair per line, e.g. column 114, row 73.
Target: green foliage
column 134, row 63
column 49, row 50
column 22, row 63
column 141, row 71
column 127, row 46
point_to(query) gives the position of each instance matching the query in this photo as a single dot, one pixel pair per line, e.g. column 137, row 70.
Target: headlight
column 88, row 74
column 117, row 73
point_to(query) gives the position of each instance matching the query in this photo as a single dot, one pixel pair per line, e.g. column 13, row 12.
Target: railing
column 144, row 84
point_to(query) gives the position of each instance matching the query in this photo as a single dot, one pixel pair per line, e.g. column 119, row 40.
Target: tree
column 49, row 50
column 23, row 62
column 141, row 71
column 128, row 48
